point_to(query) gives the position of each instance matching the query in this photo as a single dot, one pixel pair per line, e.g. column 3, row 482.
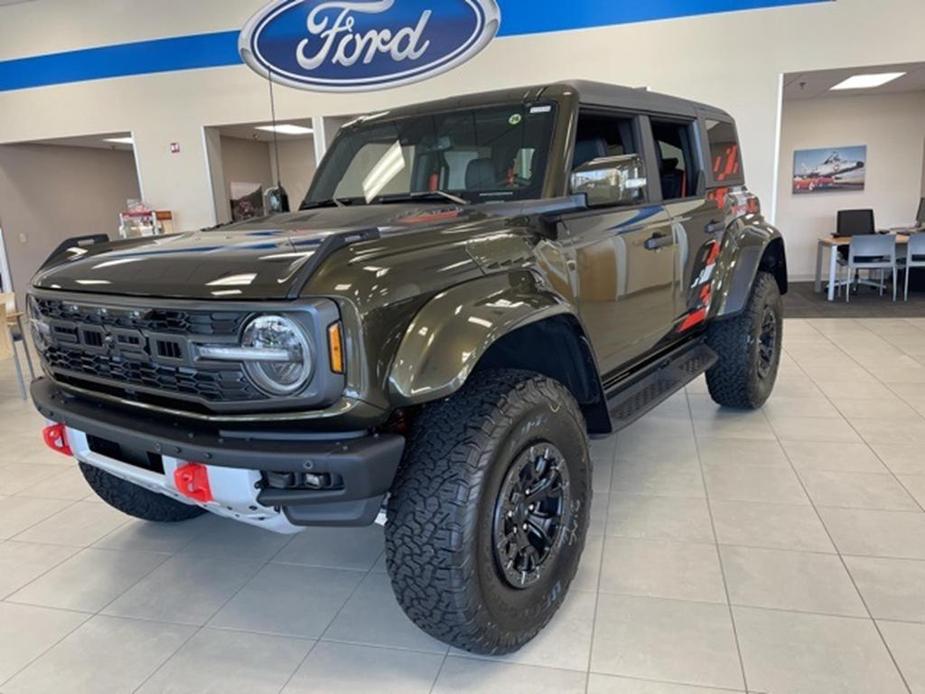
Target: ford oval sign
column 362, row 45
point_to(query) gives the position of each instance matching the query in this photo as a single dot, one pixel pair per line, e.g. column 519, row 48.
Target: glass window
column 482, row 154
column 725, row 152
column 679, row 169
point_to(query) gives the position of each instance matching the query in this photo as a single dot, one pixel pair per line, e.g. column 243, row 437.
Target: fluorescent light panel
column 868, row 81
column 286, row 129
column 120, row 140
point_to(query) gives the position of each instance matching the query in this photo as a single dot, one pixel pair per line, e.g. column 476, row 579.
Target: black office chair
column 920, row 217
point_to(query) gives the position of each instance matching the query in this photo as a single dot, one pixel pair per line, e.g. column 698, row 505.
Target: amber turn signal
column 336, row 347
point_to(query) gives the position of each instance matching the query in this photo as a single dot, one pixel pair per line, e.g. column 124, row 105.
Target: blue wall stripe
column 519, row 17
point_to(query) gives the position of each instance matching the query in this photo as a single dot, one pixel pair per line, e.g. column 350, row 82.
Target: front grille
column 142, row 354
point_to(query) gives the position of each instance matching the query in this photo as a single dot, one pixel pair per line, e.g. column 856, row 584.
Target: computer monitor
column 920, row 217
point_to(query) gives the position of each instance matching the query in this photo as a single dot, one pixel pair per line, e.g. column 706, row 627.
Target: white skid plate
column 234, row 491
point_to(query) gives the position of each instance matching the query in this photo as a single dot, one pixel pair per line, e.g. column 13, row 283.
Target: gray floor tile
column 143, row 536
column 741, row 452
column 901, row 458
column 814, row 429
column 184, row 590
column 813, row 654
column 373, row 617
column 798, row 581
column 218, row 662
column 17, row 513
column 661, row 569
column 819, row 407
column 23, row 562
column 857, row 490
column 341, row 668
column 659, row 518
column 88, row 581
column 26, row 632
column 589, row 568
column 665, row 640
column 467, row 675
column 761, row 483
column 892, row 588
column 68, row 484
column 891, row 431
column 16, row 477
column 907, row 644
column 899, row 534
column 774, row 526
column 658, row 478
column 79, row 525
column 335, row 548
column 75, row 665
column 227, row 539
column 608, row 684
column 730, row 424
column 289, row 600
column 825, row 455
column 915, row 485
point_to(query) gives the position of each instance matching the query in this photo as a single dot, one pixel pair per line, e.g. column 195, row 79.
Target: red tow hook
column 55, row 436
column 192, row 481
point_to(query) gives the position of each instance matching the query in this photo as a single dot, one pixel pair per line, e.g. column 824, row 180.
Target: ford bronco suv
column 470, row 290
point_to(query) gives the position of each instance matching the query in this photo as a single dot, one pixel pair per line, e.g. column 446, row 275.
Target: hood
column 257, row 260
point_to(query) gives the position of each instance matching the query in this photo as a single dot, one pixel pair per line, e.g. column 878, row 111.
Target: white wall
column 49, row 194
column 893, row 128
column 732, row 60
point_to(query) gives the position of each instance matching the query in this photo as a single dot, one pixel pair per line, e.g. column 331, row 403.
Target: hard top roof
column 589, row 92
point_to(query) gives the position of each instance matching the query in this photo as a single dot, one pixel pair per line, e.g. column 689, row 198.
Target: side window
column 725, row 153
column 679, row 168
column 601, row 135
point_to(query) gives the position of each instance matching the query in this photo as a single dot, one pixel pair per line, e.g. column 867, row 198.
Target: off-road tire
column 736, row 380
column 137, row 501
column 439, row 542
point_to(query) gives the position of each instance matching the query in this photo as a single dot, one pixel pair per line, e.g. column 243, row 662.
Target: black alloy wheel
column 530, row 513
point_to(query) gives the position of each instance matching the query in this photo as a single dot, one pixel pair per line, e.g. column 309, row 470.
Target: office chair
column 915, row 256
column 872, row 252
column 851, row 223
column 920, row 217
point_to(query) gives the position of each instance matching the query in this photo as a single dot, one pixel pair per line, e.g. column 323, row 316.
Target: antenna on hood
column 276, row 199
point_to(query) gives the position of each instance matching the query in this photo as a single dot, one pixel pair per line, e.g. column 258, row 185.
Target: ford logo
column 362, row 45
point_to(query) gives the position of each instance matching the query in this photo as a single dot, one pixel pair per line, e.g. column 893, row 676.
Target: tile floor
column 778, row 551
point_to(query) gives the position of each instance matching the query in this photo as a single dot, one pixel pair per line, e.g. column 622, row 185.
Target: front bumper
column 365, row 464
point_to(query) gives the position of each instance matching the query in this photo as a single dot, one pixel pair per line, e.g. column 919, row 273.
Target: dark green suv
column 469, row 291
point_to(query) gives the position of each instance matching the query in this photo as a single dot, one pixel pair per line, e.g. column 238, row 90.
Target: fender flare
column 750, row 250
column 454, row 330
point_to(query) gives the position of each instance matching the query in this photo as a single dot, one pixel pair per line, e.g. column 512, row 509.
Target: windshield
column 480, row 155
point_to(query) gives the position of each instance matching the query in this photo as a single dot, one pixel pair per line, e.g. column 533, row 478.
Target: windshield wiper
column 422, row 195
column 314, row 204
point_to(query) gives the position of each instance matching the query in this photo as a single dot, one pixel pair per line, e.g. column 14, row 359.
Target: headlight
column 276, row 376
column 275, row 352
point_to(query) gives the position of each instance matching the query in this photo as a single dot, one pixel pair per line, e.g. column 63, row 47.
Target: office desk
column 833, row 243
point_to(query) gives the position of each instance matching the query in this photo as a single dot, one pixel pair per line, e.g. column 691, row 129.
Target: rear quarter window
column 725, row 152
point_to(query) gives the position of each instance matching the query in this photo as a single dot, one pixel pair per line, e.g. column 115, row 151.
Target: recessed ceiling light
column 120, row 140
column 868, row 81
column 286, row 129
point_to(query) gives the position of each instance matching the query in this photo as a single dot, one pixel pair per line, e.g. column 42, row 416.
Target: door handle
column 714, row 227
column 659, row 240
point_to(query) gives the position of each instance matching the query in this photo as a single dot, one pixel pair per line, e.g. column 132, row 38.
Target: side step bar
column 631, row 400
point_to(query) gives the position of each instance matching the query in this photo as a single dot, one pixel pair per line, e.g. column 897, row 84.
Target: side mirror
column 611, row 181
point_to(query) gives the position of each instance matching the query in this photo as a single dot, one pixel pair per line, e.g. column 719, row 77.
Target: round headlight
column 282, row 375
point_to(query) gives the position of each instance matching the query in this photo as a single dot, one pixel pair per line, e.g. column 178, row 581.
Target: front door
column 623, row 265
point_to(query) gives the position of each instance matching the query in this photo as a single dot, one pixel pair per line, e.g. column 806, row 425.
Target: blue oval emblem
column 362, row 45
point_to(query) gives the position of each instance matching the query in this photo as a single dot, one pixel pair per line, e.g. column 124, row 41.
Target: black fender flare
column 747, row 251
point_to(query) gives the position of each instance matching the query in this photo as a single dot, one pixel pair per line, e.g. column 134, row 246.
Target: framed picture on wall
column 829, row 170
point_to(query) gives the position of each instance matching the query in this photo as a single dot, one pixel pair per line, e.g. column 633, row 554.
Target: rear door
column 624, row 283
column 697, row 221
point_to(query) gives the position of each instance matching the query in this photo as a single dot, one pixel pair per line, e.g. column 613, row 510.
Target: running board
column 630, row 401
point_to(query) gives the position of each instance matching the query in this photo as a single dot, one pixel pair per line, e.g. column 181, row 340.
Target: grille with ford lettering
column 141, row 353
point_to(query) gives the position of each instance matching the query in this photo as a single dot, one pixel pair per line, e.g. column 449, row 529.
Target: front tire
column 137, row 501
column 489, row 511
column 749, row 347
